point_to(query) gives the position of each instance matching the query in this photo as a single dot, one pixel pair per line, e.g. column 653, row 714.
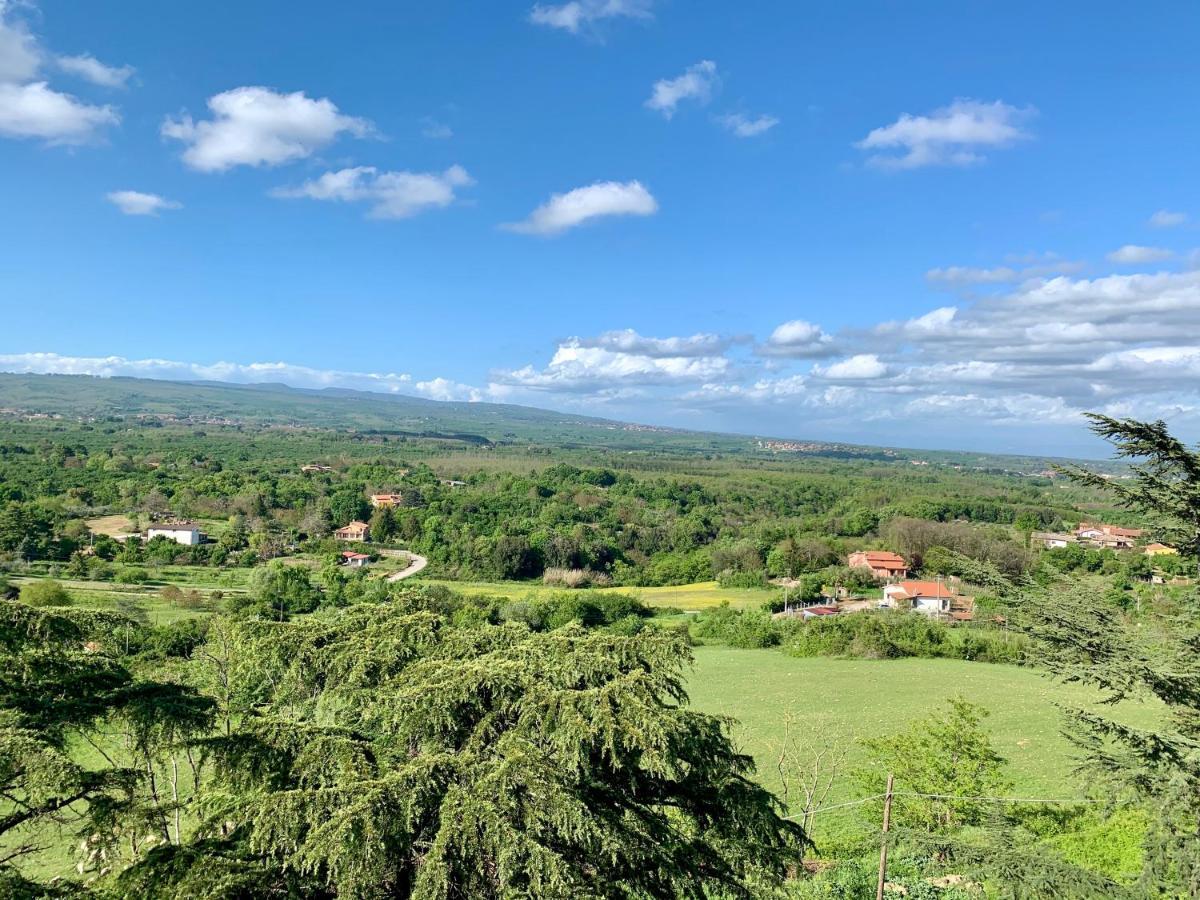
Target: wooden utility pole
column 887, row 822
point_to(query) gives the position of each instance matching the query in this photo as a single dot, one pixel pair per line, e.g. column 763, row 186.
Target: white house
column 929, row 597
column 185, row 533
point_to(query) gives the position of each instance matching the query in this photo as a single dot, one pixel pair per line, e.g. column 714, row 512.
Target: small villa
column 355, row 560
column 928, row 597
column 378, row 500
column 355, row 531
column 881, row 563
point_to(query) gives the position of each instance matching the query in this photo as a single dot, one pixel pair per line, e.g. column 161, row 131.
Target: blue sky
column 939, row 225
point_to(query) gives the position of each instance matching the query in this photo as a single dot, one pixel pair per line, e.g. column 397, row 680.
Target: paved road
column 415, row 563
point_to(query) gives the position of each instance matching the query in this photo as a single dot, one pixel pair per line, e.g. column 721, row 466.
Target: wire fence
column 1060, row 801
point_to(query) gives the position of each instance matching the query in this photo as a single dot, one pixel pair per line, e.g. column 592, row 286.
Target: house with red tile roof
column 881, row 563
column 928, row 597
column 355, row 531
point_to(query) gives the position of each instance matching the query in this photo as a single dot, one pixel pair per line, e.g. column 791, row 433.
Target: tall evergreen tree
column 383, row 752
column 1083, row 638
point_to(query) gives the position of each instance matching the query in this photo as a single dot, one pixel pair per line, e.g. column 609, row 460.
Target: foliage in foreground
column 384, row 752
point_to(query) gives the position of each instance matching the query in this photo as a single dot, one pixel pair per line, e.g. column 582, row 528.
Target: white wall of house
column 189, row 537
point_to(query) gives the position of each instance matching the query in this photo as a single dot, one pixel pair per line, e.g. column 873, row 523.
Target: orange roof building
column 881, row 563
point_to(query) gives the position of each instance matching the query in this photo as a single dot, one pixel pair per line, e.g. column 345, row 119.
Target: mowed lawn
column 683, row 598
column 869, row 698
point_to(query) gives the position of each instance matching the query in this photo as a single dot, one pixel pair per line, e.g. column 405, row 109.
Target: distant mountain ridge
column 271, row 404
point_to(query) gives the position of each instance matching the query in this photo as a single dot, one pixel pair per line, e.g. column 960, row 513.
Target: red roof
column 350, row 554
column 883, row 560
column 925, row 589
column 821, row 610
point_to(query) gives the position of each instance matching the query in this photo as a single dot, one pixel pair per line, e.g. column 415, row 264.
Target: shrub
column 44, row 593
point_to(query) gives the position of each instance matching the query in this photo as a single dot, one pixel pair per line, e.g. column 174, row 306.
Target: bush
column 44, row 593
column 575, row 578
column 752, row 628
column 890, row 635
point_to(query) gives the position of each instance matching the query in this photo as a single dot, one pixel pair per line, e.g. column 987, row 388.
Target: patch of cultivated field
column 687, row 597
column 111, row 525
column 869, row 698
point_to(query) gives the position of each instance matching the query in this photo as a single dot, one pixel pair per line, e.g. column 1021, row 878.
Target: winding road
column 415, row 563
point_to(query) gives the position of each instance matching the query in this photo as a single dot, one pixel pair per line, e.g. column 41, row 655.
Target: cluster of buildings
column 939, row 598
column 1101, row 537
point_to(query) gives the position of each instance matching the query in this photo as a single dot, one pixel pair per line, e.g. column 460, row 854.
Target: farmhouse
column 185, row 533
column 355, row 560
column 881, row 563
column 355, row 531
column 1112, row 536
column 928, row 597
column 378, row 500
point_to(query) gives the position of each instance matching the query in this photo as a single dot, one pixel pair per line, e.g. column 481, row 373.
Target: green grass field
column 869, row 698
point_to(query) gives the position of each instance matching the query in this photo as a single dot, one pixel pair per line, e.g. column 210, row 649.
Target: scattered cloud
column 604, row 198
column 1032, row 266
column 36, row 111
column 391, row 195
column 136, row 203
column 695, row 84
column 256, row 126
column 578, row 16
column 581, row 365
column 858, row 367
column 629, row 341
column 445, row 389
column 954, row 135
column 1165, row 218
column 1135, row 255
column 747, row 126
column 91, row 69
column 798, row 339
column 29, row 107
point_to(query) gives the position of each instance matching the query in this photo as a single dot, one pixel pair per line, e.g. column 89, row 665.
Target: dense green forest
column 249, row 717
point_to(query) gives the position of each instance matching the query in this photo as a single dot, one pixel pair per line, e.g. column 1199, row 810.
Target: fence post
column 887, row 822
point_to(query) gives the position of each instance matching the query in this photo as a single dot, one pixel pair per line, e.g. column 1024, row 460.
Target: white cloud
column 696, row 83
column 91, row 69
column 1133, row 255
column 391, row 195
column 860, row 366
column 29, row 107
column 747, row 126
column 20, row 55
column 136, row 203
column 445, row 389
column 629, row 341
column 256, row 126
column 581, row 366
column 604, row 198
column 953, row 135
column 578, row 15
column 1165, row 218
column 798, row 339
column 36, row 111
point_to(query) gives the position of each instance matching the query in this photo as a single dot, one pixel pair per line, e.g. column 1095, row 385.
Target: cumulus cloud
column 629, row 341
column 604, row 198
column 445, row 389
column 137, row 203
column 956, row 277
column 798, row 339
column 695, row 84
column 580, row 15
column 256, row 126
column 1136, row 255
column 859, row 366
column 391, row 195
column 747, row 126
column 584, row 366
column 29, row 106
column 36, row 111
column 954, row 135
column 1165, row 218
column 89, row 68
